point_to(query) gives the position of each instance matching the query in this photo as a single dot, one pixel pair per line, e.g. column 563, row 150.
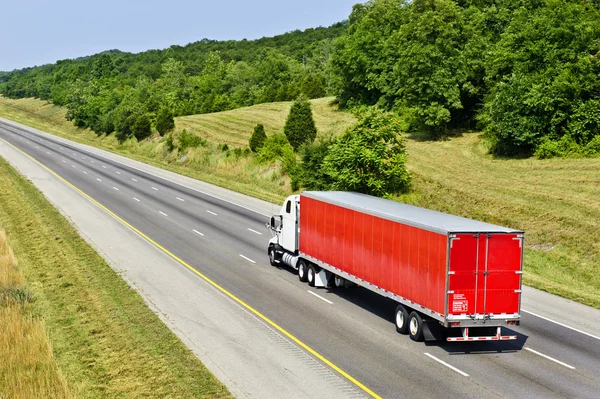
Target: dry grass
column 27, row 366
column 105, row 341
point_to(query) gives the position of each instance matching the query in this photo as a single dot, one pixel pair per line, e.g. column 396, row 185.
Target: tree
column 300, row 126
column 257, row 140
column 543, row 74
column 311, row 173
column 370, row 157
column 164, row 121
column 142, row 127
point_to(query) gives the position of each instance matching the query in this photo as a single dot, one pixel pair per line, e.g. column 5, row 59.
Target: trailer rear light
column 455, row 324
column 511, row 322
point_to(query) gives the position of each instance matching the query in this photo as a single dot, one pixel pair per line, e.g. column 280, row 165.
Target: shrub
column 257, row 140
column 164, row 121
column 170, row 143
column 189, row 140
column 311, row 174
column 299, row 126
column 142, row 127
column 592, row 149
column 370, row 157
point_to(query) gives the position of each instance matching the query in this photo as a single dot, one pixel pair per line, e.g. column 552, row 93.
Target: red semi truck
column 449, row 275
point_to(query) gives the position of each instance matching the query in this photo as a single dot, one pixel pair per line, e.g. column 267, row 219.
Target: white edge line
column 100, row 154
column 197, row 232
column 248, row 259
column 254, row 231
column 550, row 358
column 446, row 364
column 136, row 199
column 320, row 297
column 211, row 212
column 561, row 324
column 162, row 213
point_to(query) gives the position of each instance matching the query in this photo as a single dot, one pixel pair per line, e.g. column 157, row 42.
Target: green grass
column 554, row 201
column 106, row 342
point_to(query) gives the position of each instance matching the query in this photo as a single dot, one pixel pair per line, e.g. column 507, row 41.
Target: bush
column 125, row 128
column 257, row 140
column 311, row 174
column 299, row 126
column 566, row 146
column 142, row 127
column 592, row 149
column 370, row 157
column 164, row 121
column 189, row 140
column 170, row 143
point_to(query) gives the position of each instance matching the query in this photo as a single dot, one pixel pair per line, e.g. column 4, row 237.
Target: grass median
column 88, row 334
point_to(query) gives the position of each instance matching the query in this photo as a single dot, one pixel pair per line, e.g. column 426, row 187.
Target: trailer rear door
column 484, row 275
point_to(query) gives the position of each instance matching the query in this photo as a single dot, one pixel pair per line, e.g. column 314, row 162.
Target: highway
column 352, row 329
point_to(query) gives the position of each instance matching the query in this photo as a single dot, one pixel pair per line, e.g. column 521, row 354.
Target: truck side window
column 288, row 207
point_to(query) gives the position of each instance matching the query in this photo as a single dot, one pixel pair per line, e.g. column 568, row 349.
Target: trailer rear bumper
column 497, row 337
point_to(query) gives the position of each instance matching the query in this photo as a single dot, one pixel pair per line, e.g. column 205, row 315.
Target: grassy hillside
column 70, row 326
column 554, row 201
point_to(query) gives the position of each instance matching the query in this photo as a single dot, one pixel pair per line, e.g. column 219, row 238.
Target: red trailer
column 440, row 269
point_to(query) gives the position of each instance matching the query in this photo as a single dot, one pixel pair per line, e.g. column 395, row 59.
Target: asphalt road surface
column 352, row 329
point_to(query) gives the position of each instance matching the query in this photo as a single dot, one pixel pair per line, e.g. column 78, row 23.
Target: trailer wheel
column 302, row 270
column 312, row 273
column 415, row 327
column 339, row 282
column 272, row 255
column 402, row 319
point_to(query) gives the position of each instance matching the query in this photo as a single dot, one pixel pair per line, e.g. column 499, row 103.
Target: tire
column 415, row 327
column 302, row 270
column 401, row 319
column 272, row 256
column 312, row 275
column 339, row 282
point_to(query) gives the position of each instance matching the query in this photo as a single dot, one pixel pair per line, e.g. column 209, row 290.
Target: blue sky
column 36, row 32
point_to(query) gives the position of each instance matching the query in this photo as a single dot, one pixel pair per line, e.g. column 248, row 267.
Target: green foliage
column 311, row 172
column 101, row 91
column 142, row 127
column 164, row 121
column 544, row 78
column 257, row 140
column 189, row 140
column 300, row 126
column 370, row 157
column 567, row 147
column 170, row 142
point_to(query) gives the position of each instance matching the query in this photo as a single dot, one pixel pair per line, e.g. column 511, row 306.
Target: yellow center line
column 208, row 280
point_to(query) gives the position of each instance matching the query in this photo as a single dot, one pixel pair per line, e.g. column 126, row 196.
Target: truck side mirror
column 272, row 222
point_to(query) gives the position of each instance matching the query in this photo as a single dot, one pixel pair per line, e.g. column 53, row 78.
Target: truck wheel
column 272, row 256
column 302, row 270
column 415, row 327
column 402, row 319
column 312, row 273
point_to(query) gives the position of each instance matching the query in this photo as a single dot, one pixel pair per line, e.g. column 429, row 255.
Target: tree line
column 525, row 72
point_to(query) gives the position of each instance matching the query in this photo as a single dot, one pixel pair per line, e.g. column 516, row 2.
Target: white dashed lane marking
column 180, row 199
column 162, row 213
column 550, row 358
column 197, row 232
column 254, row 231
column 320, row 297
column 115, row 188
column 98, row 179
column 212, row 213
column 248, row 259
column 136, row 199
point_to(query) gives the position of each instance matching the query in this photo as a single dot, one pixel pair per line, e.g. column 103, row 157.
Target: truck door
column 289, row 229
column 484, row 275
